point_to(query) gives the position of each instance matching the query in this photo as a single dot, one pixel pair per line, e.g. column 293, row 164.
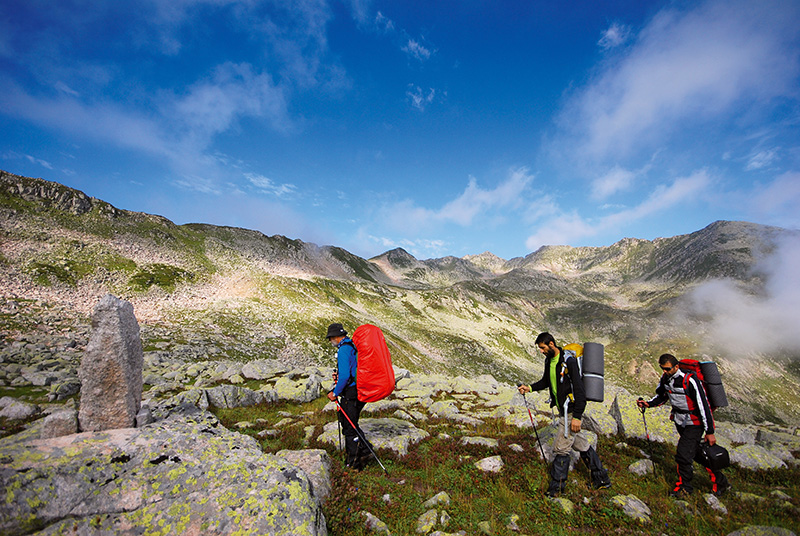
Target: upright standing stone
column 111, row 368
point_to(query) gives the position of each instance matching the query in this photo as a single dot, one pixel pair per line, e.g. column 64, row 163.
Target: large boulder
column 755, row 457
column 630, row 422
column 111, row 368
column 185, row 474
column 263, row 369
column 387, row 433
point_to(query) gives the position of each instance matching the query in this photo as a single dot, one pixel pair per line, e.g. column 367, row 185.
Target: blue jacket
column 346, row 364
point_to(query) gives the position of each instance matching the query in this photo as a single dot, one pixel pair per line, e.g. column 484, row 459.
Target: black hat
column 336, row 330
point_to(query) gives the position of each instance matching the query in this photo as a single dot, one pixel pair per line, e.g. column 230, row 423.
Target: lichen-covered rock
column 385, row 433
column 641, row 468
column 599, row 422
column 374, row 524
column 443, row 409
column 317, row 465
column 714, row 503
column 440, row 499
column 631, row 424
column 492, row 464
column 567, row 506
column 755, row 457
column 383, row 405
column 427, row 521
column 301, row 391
column 185, row 474
column 263, row 369
column 633, row 507
column 490, row 442
column 233, row 396
column 18, row 410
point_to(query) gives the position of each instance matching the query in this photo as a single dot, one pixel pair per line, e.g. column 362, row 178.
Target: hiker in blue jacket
column 693, row 419
column 562, row 377
column 345, row 393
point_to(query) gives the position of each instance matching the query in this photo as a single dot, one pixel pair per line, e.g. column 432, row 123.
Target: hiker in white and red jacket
column 692, row 415
column 562, row 377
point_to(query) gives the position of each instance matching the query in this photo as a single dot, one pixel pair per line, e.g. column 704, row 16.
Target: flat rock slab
column 186, row 475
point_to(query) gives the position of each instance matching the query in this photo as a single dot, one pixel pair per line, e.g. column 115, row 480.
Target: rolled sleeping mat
column 593, row 369
column 714, row 388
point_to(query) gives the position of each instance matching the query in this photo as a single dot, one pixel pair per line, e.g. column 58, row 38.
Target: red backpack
column 375, row 376
column 708, row 374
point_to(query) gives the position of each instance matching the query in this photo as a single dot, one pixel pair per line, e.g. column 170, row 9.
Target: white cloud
column 683, row 69
column 763, row 323
column 472, row 204
column 616, row 35
column 266, row 185
column 420, row 99
column 762, row 159
column 617, row 179
column 383, row 23
column 571, row 227
column 416, row 50
column 234, row 90
column 13, row 155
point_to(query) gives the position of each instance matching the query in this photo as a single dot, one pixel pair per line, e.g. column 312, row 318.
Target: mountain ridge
column 247, row 295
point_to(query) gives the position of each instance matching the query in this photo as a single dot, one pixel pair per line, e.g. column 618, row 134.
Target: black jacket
column 566, row 371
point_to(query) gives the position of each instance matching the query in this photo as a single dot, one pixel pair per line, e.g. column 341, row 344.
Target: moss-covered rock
column 183, row 475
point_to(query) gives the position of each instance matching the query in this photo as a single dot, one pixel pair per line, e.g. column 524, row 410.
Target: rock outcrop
column 111, row 368
column 185, row 474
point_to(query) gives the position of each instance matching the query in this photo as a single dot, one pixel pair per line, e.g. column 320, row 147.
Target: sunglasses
column 667, row 369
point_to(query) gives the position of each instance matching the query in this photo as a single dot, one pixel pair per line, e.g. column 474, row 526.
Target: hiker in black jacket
column 562, row 377
column 691, row 413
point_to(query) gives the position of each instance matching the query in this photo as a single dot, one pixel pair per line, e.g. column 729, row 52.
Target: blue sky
column 443, row 127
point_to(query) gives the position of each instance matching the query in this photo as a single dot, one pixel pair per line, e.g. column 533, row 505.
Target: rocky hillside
column 207, row 292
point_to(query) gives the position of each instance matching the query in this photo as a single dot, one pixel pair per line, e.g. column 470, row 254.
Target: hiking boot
column 554, row 490
column 604, row 484
column 599, row 475
column 364, row 458
column 722, row 489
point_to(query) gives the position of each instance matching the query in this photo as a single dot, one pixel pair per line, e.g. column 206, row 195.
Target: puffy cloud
column 569, row 228
column 472, row 204
column 740, row 322
column 234, row 90
column 617, row 179
column 683, row 68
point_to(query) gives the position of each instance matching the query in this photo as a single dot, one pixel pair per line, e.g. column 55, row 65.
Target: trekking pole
column 534, row 425
column 361, row 436
column 642, row 409
column 647, row 434
column 339, row 426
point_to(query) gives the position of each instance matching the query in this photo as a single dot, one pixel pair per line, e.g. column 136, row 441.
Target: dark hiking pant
column 353, row 437
column 687, row 453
